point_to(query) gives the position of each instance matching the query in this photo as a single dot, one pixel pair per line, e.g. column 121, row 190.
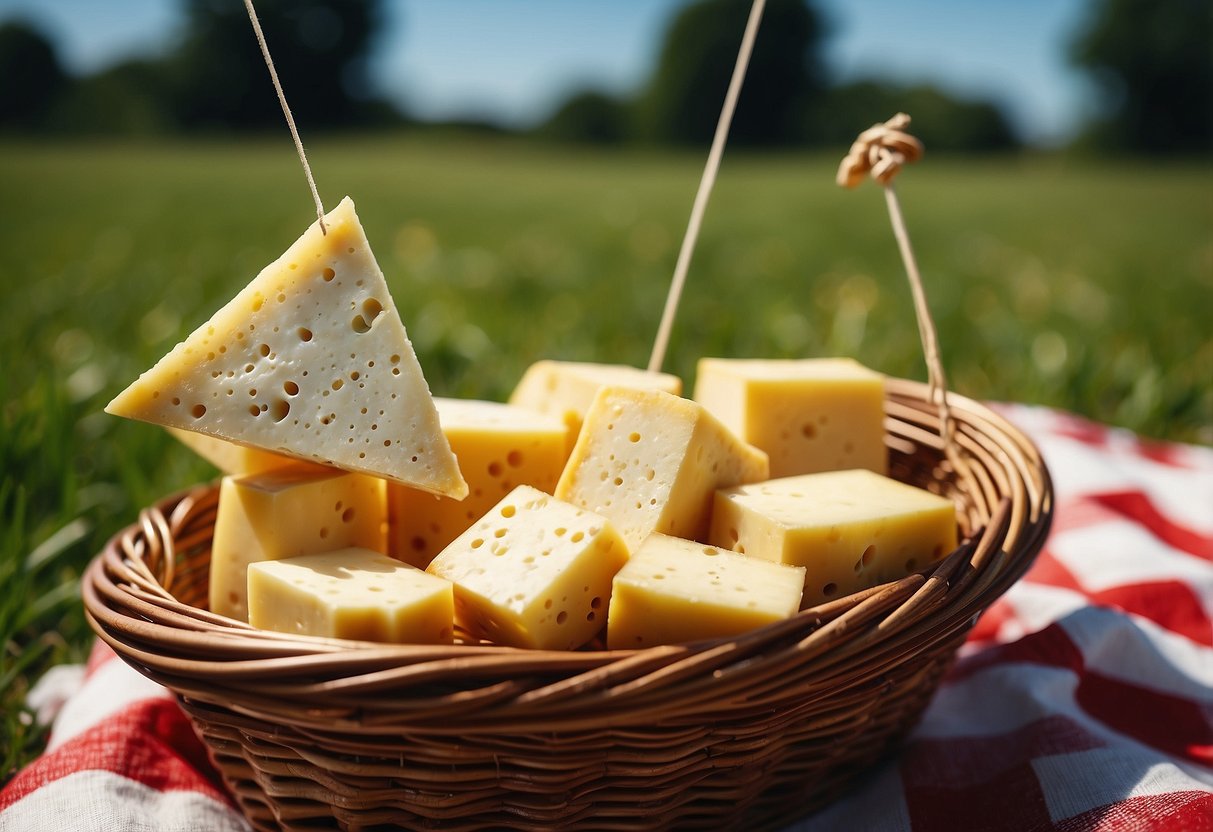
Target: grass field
column 1085, row 286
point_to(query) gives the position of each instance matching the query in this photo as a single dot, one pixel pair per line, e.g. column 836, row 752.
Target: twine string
column 706, row 182
column 881, row 151
column 286, row 111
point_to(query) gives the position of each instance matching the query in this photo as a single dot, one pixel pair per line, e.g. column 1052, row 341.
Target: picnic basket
column 749, row 732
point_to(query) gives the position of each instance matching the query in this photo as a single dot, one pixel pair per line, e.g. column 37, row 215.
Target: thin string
column 286, row 111
column 657, row 357
column 881, row 151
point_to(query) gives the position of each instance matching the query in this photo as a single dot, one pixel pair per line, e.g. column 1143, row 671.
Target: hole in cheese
column 328, row 275
column 290, row 388
column 281, row 409
column 829, row 589
column 198, row 411
column 868, row 554
column 305, row 334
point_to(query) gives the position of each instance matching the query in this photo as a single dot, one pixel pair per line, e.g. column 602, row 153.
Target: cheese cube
column 849, row 529
column 231, row 458
column 566, row 389
column 351, row 593
column 498, row 447
column 673, row 590
column 534, row 572
column 288, row 512
column 809, row 415
column 650, row 462
column 310, row 360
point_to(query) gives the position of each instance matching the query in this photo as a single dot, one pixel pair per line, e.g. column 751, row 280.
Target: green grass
column 1085, row 286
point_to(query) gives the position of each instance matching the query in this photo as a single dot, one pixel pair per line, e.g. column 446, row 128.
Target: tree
column 33, row 76
column 683, row 99
column 592, row 117
column 218, row 76
column 1154, row 63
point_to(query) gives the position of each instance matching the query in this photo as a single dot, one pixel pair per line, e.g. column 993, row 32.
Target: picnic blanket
column 1082, row 700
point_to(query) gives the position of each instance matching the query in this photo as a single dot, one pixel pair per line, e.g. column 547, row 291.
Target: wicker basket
column 750, row 732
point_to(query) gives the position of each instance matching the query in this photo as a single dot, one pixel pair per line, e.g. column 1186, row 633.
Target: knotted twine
column 881, row 151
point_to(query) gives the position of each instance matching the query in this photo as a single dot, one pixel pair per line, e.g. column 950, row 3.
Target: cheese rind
column 566, row 389
column 309, row 360
column 353, row 594
column 809, row 415
column 849, row 529
column 674, row 590
column 285, row 513
column 498, row 446
column 231, row 458
column 651, row 462
column 534, row 572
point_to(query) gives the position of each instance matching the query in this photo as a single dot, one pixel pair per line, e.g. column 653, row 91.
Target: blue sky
column 514, row 60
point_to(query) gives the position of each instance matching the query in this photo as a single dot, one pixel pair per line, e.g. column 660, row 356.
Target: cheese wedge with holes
column 674, row 590
column 534, row 572
column 566, row 389
column 351, row 593
column 310, row 360
column 809, row 415
column 498, row 447
column 285, row 513
column 651, row 462
column 849, row 529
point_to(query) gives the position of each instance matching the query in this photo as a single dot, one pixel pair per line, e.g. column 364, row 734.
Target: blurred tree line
column 1151, row 61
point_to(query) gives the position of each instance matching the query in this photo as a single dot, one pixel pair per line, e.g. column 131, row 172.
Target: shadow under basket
column 750, row 732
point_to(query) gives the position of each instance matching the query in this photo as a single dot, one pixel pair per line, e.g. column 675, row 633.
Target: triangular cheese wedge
column 310, row 360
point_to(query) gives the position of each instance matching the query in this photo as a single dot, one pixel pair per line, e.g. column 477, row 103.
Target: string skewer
column 286, row 111
column 657, row 357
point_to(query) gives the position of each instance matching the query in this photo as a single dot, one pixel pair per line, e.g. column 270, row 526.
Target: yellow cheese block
column 810, row 415
column 849, row 529
column 674, row 590
column 498, row 447
column 534, row 572
column 650, row 462
column 566, row 389
column 231, row 458
column 309, row 360
column 351, row 593
column 287, row 512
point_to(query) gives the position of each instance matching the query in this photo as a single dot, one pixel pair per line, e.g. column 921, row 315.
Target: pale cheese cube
column 651, row 462
column 498, row 447
column 310, row 360
column 534, row 572
column 351, row 593
column 566, row 389
column 673, row 590
column 849, row 529
column 231, row 458
column 809, row 415
column 288, row 512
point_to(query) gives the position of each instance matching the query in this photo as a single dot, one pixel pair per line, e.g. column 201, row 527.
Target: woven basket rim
column 155, row 615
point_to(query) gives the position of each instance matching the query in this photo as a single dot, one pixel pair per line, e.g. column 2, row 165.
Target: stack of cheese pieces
column 599, row 501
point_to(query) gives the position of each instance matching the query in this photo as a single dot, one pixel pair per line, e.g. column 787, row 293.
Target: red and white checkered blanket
column 1083, row 700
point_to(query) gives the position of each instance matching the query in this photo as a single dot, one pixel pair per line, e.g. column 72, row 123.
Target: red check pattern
column 1083, row 699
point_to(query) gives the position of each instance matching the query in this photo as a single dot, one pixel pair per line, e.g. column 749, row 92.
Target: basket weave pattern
column 749, row 732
